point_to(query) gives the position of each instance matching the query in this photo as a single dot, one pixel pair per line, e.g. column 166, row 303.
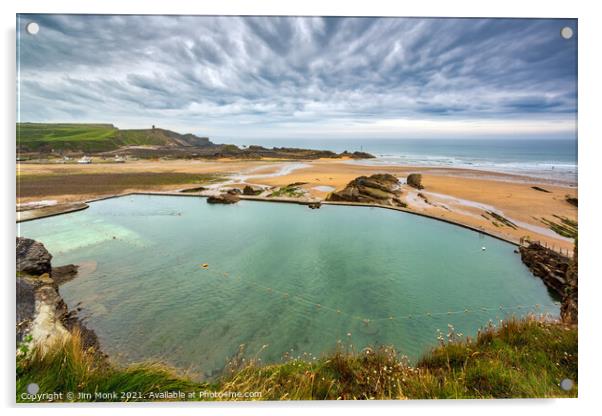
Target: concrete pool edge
column 69, row 208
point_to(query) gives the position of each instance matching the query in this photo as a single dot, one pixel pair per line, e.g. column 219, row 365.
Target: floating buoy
column 483, row 248
column 205, row 266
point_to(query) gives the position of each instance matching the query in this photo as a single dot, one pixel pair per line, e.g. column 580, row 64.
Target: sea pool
column 278, row 279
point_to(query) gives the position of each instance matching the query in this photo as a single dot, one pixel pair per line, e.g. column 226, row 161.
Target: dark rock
column 195, row 189
column 356, row 155
column 314, row 205
column 415, row 180
column 569, row 308
column 249, row 190
column 234, row 191
column 26, row 289
column 32, row 257
column 537, row 188
column 546, row 264
column 572, row 200
column 381, row 188
column 65, row 273
column 223, row 199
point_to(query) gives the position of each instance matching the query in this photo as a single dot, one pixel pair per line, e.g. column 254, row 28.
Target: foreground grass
column 520, row 358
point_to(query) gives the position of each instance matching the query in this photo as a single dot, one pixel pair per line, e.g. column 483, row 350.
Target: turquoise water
column 299, row 280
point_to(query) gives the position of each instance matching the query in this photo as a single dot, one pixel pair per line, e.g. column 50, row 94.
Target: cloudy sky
column 268, row 77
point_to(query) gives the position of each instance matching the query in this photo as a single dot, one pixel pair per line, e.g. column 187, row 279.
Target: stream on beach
column 189, row 283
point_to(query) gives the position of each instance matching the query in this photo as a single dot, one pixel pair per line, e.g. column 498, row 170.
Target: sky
column 302, row 77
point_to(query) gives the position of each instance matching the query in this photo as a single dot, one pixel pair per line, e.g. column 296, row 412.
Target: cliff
column 42, row 317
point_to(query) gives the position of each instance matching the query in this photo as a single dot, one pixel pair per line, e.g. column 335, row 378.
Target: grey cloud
column 196, row 70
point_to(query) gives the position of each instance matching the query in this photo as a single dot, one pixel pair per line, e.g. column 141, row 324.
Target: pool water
column 176, row 279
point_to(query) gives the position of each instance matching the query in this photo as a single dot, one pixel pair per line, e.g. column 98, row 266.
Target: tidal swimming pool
column 175, row 279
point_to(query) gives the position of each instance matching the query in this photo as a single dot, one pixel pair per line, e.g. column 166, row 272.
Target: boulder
column 249, row 190
column 415, row 180
column 32, row 257
column 63, row 274
column 380, row 188
column 224, row 198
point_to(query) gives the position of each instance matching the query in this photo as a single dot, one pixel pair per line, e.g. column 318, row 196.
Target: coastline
column 455, row 195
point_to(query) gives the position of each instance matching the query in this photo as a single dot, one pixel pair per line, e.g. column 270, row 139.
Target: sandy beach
column 459, row 195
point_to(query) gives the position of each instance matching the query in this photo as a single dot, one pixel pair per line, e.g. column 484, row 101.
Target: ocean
column 552, row 159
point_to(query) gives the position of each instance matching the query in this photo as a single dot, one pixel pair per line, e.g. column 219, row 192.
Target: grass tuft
column 519, row 358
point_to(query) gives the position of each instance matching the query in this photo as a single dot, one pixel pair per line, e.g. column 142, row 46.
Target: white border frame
column 590, row 25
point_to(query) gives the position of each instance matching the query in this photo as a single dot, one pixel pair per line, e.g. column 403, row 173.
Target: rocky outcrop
column 569, row 308
column 381, row 188
column 547, row 264
column 415, row 180
column 32, row 257
column 558, row 272
column 26, row 301
column 250, row 191
column 47, row 326
column 357, row 155
column 42, row 317
column 224, row 198
column 40, row 310
column 63, row 274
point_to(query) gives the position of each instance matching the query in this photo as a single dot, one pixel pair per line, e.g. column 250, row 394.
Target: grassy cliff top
column 519, row 358
column 58, row 137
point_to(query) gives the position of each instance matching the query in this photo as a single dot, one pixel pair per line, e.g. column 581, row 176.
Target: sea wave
column 546, row 169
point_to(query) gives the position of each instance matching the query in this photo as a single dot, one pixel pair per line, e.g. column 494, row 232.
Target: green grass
column 520, row 358
column 46, row 137
column 565, row 227
column 87, row 137
column 290, row 191
column 505, row 221
column 142, row 137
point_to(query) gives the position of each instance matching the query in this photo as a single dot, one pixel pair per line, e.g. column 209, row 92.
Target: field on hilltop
column 51, row 137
